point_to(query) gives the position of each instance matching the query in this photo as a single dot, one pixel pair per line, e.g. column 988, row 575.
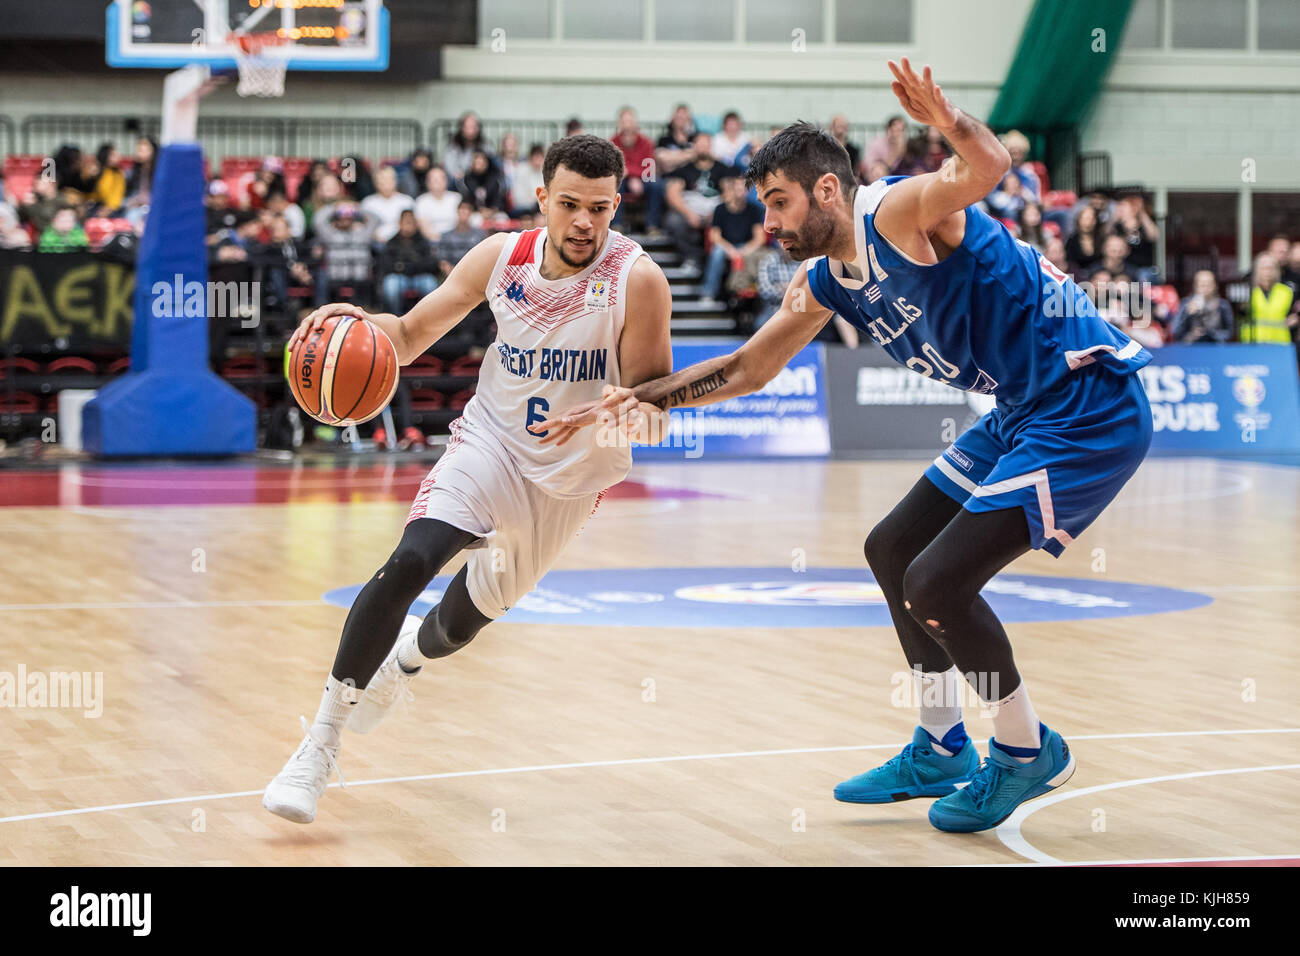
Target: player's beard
column 813, row 238
column 574, row 263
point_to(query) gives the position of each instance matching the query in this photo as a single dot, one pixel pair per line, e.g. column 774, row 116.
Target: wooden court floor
column 567, row 743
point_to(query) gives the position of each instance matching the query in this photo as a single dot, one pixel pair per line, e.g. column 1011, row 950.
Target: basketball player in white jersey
column 579, row 309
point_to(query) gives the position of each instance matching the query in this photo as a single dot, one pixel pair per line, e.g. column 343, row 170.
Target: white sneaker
column 390, row 684
column 296, row 788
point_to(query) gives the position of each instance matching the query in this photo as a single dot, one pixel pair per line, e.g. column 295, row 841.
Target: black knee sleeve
column 453, row 623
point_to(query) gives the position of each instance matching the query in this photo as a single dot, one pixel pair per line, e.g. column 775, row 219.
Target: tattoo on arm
column 694, row 390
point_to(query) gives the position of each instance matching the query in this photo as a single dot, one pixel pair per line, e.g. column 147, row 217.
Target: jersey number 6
column 537, row 409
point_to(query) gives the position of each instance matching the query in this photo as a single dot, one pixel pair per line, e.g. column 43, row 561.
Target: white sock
column 940, row 696
column 409, row 656
column 335, row 707
column 1014, row 722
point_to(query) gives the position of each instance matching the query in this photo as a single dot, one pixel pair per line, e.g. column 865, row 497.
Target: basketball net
column 259, row 74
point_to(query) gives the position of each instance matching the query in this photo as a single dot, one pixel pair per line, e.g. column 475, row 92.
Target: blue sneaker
column 1001, row 784
column 916, row 772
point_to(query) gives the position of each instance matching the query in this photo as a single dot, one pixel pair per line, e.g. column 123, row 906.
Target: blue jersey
column 993, row 317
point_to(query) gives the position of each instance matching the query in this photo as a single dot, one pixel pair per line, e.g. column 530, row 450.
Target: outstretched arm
column 433, row 316
column 934, row 203
column 745, row 370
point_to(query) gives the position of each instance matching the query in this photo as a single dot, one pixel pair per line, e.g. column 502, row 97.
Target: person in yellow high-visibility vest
column 1270, row 314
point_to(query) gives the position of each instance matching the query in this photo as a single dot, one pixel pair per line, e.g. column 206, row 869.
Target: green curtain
column 1058, row 68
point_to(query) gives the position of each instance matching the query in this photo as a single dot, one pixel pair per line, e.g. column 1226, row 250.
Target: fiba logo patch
column 1248, row 390
column 598, row 294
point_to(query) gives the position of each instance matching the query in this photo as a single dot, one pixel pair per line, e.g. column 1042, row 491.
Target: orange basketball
column 345, row 372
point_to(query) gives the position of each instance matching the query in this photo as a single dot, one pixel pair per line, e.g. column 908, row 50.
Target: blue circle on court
column 780, row 597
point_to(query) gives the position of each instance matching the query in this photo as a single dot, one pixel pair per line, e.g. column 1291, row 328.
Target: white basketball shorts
column 477, row 487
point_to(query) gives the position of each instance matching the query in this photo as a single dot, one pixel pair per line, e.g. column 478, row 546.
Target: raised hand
column 921, row 97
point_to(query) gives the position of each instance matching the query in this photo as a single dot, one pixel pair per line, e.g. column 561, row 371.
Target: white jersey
column 556, row 347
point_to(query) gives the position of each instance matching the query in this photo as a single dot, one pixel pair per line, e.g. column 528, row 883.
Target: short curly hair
column 589, row 156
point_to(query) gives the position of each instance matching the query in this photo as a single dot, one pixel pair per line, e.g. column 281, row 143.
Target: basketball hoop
column 259, row 74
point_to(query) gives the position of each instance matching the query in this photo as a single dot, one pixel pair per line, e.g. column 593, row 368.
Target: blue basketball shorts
column 1062, row 458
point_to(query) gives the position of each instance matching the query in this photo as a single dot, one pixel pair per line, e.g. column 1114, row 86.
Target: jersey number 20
column 946, row 368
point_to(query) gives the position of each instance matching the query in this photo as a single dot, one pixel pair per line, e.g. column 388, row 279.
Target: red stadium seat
column 461, row 398
column 71, row 364
column 1040, row 170
column 118, row 366
column 243, row 366
column 19, row 402
column 427, row 400
column 17, row 365
column 21, row 172
column 465, row 365
column 424, row 365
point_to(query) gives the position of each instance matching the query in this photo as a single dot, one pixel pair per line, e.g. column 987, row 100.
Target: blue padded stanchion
column 170, row 402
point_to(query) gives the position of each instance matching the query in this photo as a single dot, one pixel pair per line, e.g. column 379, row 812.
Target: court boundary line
column 619, row 762
column 1013, row 839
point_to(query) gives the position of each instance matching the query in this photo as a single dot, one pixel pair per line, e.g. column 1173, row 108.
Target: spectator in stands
column 528, row 176
column 839, row 128
column 573, row 127
column 12, row 233
column 64, row 234
column 1271, row 311
column 1008, row 199
column 329, row 193
column 109, row 192
column 282, row 259
column 269, row 178
column 1054, row 252
column 1114, row 259
column 1030, row 223
column 1017, row 145
column 775, row 270
column 223, row 220
column 386, row 205
column 736, row 236
column 676, row 147
column 937, row 149
column 1133, row 317
column 139, row 182
column 509, row 161
column 277, row 203
column 453, row 245
column 39, row 208
column 732, row 146
column 876, row 169
column 1291, row 274
column 435, row 211
column 1133, row 224
column 1101, row 207
column 693, row 191
column 915, row 152
column 407, row 265
column 317, row 171
column 343, row 243
column 1204, row 316
column 1279, row 247
column 484, row 186
column 355, row 175
column 1097, row 285
column 889, row 146
column 640, row 179
column 1083, row 248
column 413, row 172
column 68, row 172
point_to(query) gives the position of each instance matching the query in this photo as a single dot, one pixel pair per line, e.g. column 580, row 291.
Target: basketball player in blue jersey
column 947, row 291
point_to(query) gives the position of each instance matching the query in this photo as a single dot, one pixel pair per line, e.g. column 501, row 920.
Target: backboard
column 318, row 34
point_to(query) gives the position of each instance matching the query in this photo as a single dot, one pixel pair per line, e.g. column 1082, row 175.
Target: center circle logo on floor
column 779, row 597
